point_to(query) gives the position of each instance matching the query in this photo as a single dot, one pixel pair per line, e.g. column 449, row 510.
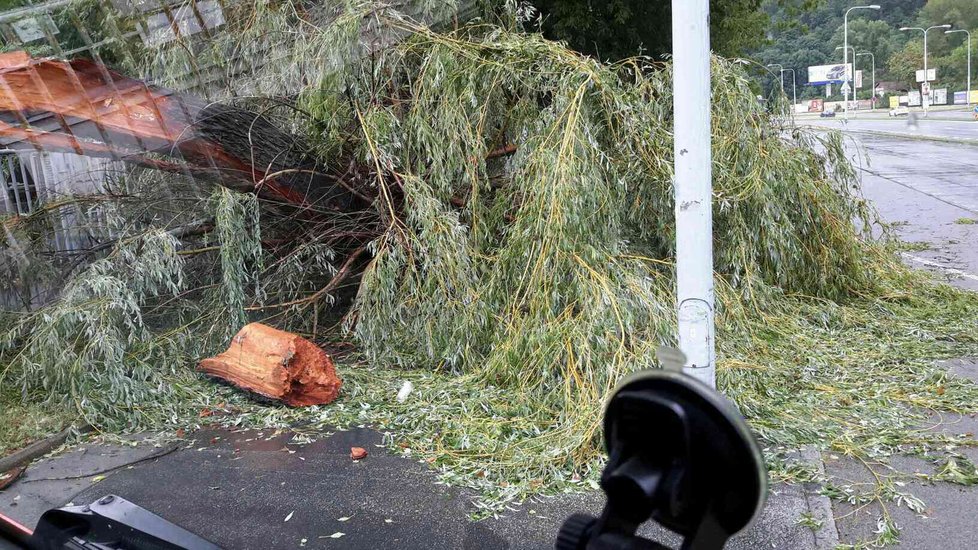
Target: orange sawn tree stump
column 277, row 364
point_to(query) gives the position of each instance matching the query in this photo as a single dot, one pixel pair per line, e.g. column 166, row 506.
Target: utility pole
column 969, row 61
column 924, row 99
column 780, row 75
column 693, row 186
column 853, row 50
column 794, row 89
column 845, row 51
column 873, row 59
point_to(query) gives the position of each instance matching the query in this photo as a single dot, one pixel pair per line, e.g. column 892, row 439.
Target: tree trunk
column 277, row 364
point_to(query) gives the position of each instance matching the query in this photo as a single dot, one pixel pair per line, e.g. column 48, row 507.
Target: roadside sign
column 931, row 75
column 846, row 88
column 960, row 98
column 858, row 80
column 925, row 88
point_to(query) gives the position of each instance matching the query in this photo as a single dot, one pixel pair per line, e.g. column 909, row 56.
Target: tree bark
column 277, row 364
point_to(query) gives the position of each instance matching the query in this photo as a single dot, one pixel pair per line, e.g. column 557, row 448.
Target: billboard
column 914, row 98
column 825, row 74
column 961, row 98
column 940, row 97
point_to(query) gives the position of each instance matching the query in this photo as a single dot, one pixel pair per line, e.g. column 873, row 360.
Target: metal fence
column 35, row 180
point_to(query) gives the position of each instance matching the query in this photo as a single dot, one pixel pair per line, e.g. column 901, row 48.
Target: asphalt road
column 934, row 127
column 259, row 489
column 929, row 192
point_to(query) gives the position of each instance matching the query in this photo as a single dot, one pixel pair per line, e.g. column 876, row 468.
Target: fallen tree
column 508, row 208
column 509, row 248
column 82, row 107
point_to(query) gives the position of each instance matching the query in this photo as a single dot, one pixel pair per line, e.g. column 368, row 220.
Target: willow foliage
column 526, row 198
column 553, row 277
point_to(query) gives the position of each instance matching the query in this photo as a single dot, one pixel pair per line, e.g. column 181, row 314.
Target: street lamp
column 853, row 50
column 873, row 59
column 845, row 48
column 924, row 100
column 969, row 60
column 794, row 88
column 780, row 75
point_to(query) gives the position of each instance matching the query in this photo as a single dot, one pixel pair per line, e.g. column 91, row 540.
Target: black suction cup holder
column 680, row 454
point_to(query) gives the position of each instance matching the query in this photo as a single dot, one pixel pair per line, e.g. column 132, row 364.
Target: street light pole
column 845, row 51
column 693, row 185
column 969, row 60
column 853, row 50
column 780, row 74
column 924, row 99
column 794, row 88
column 873, row 59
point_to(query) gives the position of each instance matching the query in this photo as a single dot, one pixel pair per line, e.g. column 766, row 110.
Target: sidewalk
column 252, row 489
column 926, row 208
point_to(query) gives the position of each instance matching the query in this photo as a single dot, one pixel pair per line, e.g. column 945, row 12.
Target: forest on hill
column 799, row 38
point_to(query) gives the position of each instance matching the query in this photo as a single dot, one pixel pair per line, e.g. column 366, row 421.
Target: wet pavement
column 251, row 489
column 926, row 190
column 935, row 127
column 929, row 192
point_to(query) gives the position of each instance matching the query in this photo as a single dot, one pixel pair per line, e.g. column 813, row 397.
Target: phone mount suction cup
column 680, row 454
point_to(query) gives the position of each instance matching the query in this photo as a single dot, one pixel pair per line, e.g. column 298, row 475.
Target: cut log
column 277, row 364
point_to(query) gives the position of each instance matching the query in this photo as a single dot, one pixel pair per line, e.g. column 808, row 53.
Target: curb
column 819, row 505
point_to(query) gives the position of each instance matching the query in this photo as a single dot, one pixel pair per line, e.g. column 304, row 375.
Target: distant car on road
column 899, row 111
column 830, row 113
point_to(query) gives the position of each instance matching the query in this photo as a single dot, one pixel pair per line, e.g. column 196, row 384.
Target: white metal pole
column 853, row 50
column 924, row 97
column 693, row 186
column 925, row 56
column 925, row 100
column 845, row 64
column 845, row 53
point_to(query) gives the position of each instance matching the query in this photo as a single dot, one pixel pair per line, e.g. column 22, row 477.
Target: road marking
column 940, row 266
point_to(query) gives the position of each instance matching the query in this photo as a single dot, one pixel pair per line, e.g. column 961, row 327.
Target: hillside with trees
column 798, row 39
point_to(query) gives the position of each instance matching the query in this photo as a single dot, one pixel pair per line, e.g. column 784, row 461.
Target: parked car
column 899, row 111
column 828, row 113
